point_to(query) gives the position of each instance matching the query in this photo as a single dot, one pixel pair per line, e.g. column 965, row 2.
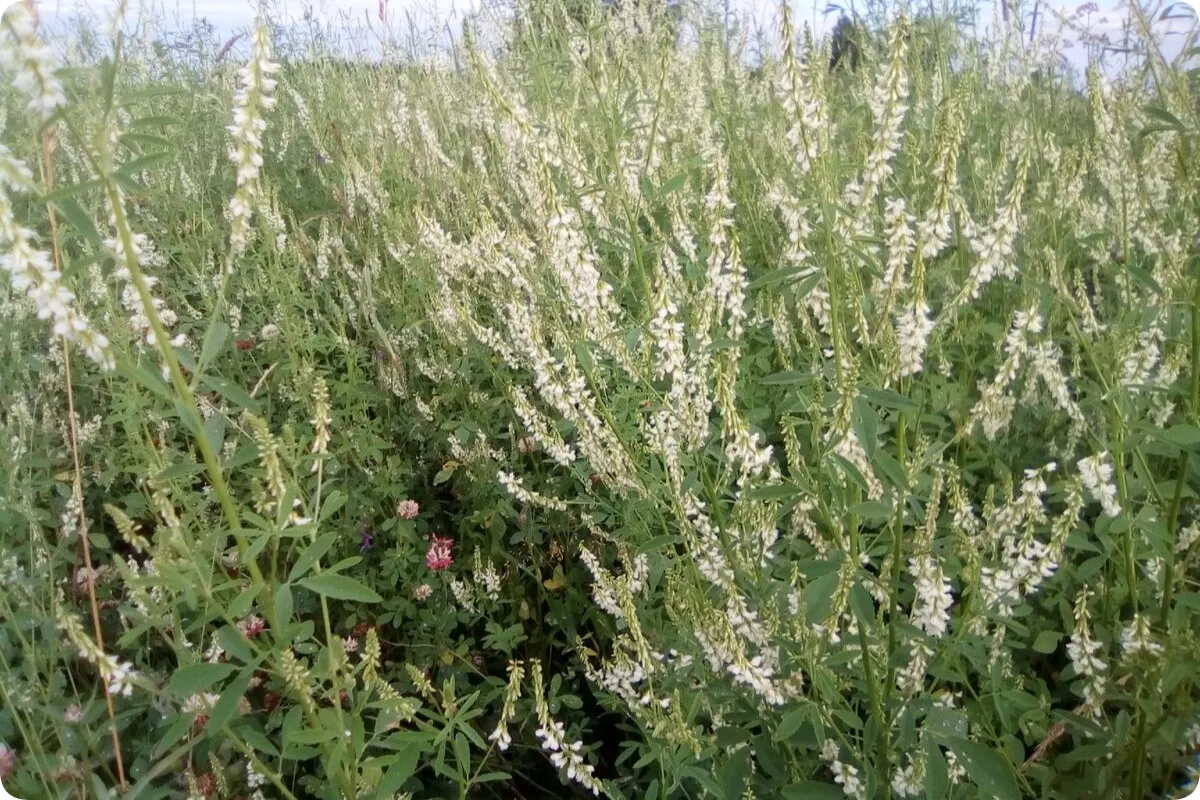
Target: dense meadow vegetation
column 599, row 410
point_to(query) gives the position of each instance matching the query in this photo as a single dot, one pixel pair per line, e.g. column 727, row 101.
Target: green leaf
column 234, row 643
column 174, row 732
column 871, row 510
column 155, row 121
column 345, row 564
column 214, row 431
column 672, row 185
column 333, row 502
column 1165, row 117
column 197, row 677
column 78, row 219
column 733, row 776
column 791, row 723
column 310, row 555
column 788, row 378
column 862, row 605
column 283, row 605
column 808, row 279
column 462, row 752
column 769, row 758
column 214, row 340
column 1046, row 641
column 255, row 738
column 491, row 776
column 130, row 138
column 340, row 587
column 140, row 164
column 783, row 491
column 139, row 374
column 56, row 196
column 227, row 704
column 658, row 543
column 181, row 470
column 891, row 469
column 888, row 399
column 242, row 604
column 937, row 777
column 818, row 596
column 1184, row 436
column 401, row 769
column 986, row 769
column 231, row 392
column 312, row 736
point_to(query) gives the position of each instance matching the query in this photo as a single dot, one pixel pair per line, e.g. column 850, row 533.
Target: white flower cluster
column 1137, row 638
column 147, row 257
column 801, row 103
column 900, row 245
column 564, row 755
column 541, row 429
column 994, row 409
column 199, row 703
column 931, row 610
column 910, row 781
column 512, row 484
column 993, row 246
column 255, row 781
column 845, row 775
column 30, row 60
column 1082, row 649
column 118, row 675
column 31, row 271
column 612, row 593
column 913, row 326
column 1025, row 561
column 512, row 693
column 888, row 104
column 935, row 228
column 1096, row 472
column 321, row 419
column 464, row 595
column 486, row 577
column 253, row 97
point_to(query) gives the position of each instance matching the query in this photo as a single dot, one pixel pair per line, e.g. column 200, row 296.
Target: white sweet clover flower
column 1096, row 472
column 254, row 96
column 30, row 60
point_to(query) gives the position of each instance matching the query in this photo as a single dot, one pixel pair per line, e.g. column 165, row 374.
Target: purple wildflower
column 368, row 542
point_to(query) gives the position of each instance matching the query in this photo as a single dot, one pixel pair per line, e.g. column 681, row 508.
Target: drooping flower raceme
column 30, row 270
column 1096, row 472
column 30, row 60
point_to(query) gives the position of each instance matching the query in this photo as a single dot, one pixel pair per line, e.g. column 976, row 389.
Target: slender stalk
column 77, row 471
column 1184, row 465
column 897, row 549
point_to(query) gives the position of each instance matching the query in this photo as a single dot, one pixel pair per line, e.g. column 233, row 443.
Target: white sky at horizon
column 437, row 20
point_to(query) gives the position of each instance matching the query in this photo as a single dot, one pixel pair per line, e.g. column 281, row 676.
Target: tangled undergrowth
column 594, row 412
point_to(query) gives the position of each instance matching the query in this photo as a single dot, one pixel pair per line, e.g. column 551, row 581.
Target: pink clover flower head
column 439, row 556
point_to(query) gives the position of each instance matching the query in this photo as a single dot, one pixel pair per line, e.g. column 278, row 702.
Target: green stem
column 882, row 765
column 897, row 550
column 1184, row 464
column 1123, row 495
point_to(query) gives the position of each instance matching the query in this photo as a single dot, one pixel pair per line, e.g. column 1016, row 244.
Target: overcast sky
column 436, row 19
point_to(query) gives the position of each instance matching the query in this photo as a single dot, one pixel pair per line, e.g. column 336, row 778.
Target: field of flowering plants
column 612, row 405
